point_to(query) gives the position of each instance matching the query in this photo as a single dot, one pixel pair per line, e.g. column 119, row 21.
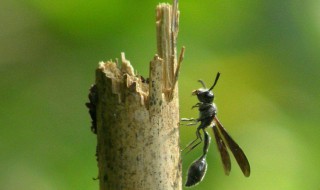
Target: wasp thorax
column 204, row 95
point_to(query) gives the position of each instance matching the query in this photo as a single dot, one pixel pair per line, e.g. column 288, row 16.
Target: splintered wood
column 137, row 118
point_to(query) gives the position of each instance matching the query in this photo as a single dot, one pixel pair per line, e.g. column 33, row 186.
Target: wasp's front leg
column 194, row 121
column 197, row 105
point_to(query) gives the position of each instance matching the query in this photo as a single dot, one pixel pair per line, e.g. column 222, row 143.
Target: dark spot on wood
column 144, row 80
column 105, row 178
column 92, row 106
column 133, row 87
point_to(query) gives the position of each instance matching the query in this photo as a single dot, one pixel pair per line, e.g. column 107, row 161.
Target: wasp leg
column 197, row 105
column 189, row 119
column 194, row 141
column 195, row 121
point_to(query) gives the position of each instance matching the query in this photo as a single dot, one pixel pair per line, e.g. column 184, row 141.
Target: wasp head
column 206, row 95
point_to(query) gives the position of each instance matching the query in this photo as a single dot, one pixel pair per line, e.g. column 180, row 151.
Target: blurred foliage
column 267, row 52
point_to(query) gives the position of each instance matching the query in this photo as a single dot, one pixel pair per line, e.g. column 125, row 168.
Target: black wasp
column 208, row 118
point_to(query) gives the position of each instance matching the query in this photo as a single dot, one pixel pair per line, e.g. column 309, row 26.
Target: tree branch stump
column 137, row 120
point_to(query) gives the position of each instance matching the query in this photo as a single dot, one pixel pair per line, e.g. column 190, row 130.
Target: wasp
column 208, row 118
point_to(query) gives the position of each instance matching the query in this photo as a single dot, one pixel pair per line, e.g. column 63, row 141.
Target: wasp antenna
column 215, row 81
column 203, row 84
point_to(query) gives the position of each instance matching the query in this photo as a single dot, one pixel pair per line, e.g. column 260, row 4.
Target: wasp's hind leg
column 192, row 145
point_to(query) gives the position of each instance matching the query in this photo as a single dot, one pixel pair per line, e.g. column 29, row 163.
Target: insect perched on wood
column 208, row 118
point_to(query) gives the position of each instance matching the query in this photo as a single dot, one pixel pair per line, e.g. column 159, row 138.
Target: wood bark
column 137, row 119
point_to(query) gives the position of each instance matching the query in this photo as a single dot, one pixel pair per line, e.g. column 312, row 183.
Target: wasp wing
column 225, row 158
column 235, row 149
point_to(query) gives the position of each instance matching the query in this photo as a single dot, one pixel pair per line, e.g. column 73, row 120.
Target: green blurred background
column 268, row 93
